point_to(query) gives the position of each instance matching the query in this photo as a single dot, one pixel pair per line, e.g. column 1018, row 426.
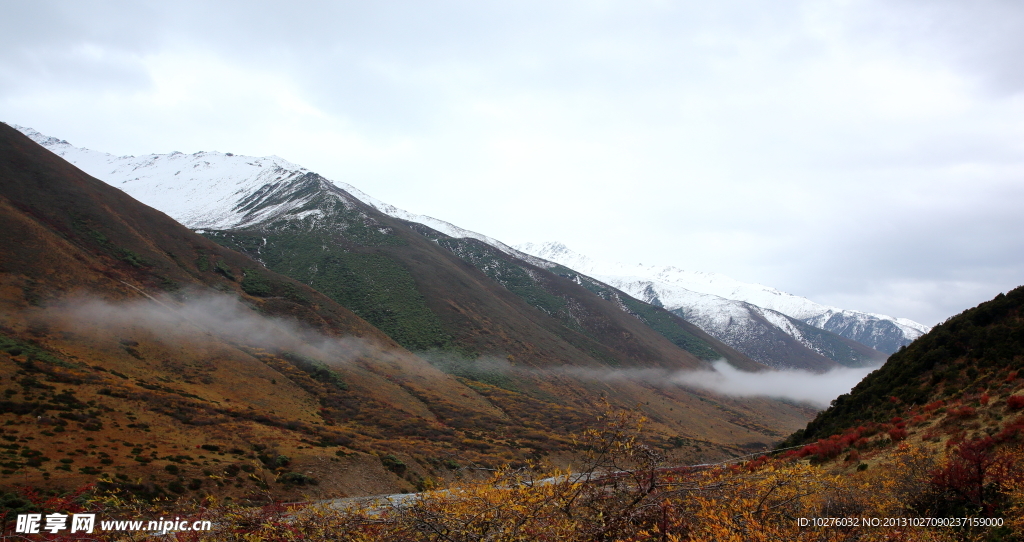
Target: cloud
column 836, row 150
column 195, row 315
column 818, row 389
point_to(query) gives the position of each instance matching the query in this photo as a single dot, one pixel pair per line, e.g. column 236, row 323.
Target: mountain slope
column 110, row 303
column 946, row 413
column 515, row 380
column 978, row 353
column 202, row 190
column 280, row 214
column 778, row 329
column 254, row 196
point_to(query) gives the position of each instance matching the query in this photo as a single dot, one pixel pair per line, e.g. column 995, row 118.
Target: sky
column 864, row 154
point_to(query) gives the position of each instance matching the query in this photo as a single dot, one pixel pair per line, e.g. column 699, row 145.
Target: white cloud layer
column 861, row 153
column 816, row 389
column 196, row 315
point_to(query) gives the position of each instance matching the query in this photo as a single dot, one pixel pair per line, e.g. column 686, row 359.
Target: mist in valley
column 195, row 316
column 815, row 389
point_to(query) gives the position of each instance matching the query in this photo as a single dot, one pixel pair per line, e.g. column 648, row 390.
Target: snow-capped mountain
column 337, row 239
column 214, row 190
column 222, row 191
column 718, row 303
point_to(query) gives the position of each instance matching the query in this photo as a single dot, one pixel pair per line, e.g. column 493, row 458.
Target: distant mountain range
column 758, row 320
column 222, row 195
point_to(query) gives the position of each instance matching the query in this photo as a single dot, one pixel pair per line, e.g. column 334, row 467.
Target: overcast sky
column 864, row 154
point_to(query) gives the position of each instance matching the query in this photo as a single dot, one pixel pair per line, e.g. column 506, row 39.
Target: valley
column 295, row 340
column 130, row 325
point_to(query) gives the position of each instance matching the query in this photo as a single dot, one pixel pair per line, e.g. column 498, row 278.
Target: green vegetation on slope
column 662, row 322
column 513, row 277
column 14, row 347
column 971, row 352
column 520, row 281
column 372, row 285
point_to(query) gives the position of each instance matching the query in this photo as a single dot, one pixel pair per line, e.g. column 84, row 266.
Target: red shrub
column 1014, row 430
column 963, row 412
column 757, row 463
column 793, row 454
column 1015, row 401
column 848, row 438
column 868, row 430
column 897, row 434
column 810, row 449
column 974, row 474
column 830, row 448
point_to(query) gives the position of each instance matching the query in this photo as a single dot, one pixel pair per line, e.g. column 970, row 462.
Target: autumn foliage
column 620, row 490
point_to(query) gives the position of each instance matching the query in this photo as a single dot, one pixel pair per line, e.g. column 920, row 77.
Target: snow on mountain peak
column 214, row 190
column 204, row 190
column 675, row 289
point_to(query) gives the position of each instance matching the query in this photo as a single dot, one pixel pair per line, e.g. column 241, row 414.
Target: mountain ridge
column 253, row 194
column 734, row 311
column 230, row 174
column 161, row 179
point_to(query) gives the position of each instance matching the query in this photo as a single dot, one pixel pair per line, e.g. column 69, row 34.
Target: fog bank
column 198, row 314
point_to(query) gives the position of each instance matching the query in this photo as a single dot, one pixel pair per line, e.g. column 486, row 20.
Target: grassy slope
column 976, row 352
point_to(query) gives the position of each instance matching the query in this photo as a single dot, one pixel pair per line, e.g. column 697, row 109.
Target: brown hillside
column 133, row 352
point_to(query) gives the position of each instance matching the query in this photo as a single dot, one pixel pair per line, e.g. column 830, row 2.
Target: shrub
column 224, row 270
column 393, row 464
column 253, row 284
column 297, row 479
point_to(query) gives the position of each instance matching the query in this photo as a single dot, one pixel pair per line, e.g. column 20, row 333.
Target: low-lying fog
column 816, row 389
column 198, row 312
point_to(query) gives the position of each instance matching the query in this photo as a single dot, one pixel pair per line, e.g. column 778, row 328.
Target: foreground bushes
column 621, row 492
